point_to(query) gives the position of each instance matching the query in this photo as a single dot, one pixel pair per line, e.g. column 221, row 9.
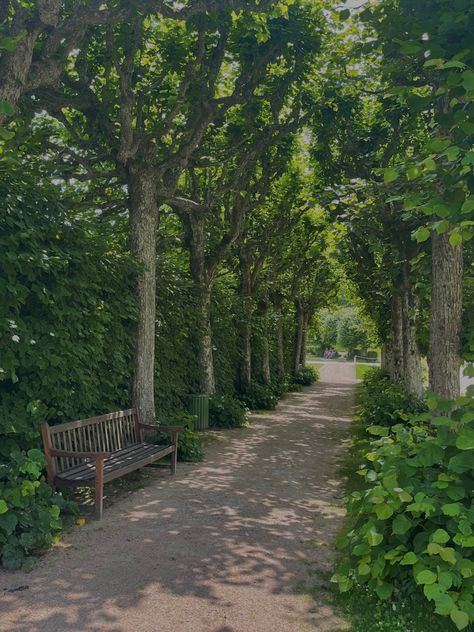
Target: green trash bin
column 199, row 406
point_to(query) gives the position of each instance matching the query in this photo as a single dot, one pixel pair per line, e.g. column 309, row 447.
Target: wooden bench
column 91, row 452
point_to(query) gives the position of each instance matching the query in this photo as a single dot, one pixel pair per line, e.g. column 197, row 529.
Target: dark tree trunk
column 246, row 334
column 397, row 345
column 204, row 281
column 207, row 384
column 298, row 336
column 266, row 372
column 446, row 317
column 280, row 340
column 304, row 339
column 143, row 226
column 412, row 371
column 386, row 359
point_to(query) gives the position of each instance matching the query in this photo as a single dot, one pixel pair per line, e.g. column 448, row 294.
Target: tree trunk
column 412, row 371
column 143, row 226
column 280, row 342
column 246, row 335
column 397, row 339
column 386, row 359
column 304, row 339
column 207, row 384
column 266, row 372
column 204, row 280
column 298, row 336
column 446, row 317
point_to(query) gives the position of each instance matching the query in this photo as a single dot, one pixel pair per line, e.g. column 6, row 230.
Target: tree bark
column 207, row 384
column 266, row 372
column 298, row 336
column 246, row 335
column 204, row 281
column 386, row 359
column 143, row 226
column 397, row 345
column 446, row 317
column 412, row 371
column 304, row 339
column 280, row 340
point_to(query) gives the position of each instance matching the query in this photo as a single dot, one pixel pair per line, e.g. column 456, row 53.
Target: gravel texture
column 240, row 543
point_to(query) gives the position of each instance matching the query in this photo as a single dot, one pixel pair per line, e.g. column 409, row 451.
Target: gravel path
column 229, row 545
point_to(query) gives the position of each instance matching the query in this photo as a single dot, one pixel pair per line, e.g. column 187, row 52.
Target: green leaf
column 401, row 525
column 390, row 174
column 409, row 559
column 384, row 590
column 344, row 14
column 459, row 618
column 426, row 577
column 374, row 538
column 465, row 439
column 451, row 509
column 6, row 108
column 455, row 238
column 6, row 134
column 421, row 234
column 468, row 80
column 440, row 536
column 413, row 172
column 383, row 511
column 379, row 431
column 3, row 506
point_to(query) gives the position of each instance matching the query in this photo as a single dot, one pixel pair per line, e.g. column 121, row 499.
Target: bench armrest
column 79, row 455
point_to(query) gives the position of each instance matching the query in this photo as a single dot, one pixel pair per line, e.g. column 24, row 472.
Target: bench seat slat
column 119, row 463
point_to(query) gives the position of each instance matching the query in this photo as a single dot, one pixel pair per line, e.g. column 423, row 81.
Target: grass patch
column 361, row 370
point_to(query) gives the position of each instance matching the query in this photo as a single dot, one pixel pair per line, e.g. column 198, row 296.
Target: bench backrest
column 106, row 433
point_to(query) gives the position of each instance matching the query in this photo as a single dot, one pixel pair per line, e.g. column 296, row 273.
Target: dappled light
column 252, row 526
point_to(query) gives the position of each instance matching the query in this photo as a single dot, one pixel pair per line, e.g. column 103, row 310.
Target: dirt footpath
column 229, row 545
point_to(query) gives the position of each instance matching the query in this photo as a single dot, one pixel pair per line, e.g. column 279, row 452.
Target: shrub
column 412, row 524
column 306, row 376
column 382, row 402
column 260, row 397
column 189, row 441
column 226, row 412
column 29, row 511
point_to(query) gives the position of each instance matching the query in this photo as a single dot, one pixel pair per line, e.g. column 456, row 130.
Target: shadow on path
column 225, row 546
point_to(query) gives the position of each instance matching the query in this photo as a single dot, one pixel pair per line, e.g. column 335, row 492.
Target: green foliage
column 381, row 402
column 29, row 511
column 189, row 441
column 411, row 524
column 226, row 412
column 306, row 376
column 259, row 397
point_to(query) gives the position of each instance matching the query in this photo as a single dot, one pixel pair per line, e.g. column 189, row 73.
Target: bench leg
column 99, row 488
column 174, row 459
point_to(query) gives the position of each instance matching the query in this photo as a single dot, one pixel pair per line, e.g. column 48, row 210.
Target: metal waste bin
column 199, row 406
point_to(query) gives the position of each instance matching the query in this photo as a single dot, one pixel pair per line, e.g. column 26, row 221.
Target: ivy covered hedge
column 411, row 519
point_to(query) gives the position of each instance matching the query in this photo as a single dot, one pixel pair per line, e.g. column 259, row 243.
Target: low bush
column 226, row 412
column 189, row 441
column 29, row 511
column 306, row 376
column 411, row 524
column 382, row 402
column 260, row 397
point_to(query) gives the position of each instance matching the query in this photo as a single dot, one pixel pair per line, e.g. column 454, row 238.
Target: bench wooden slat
column 118, row 434
column 117, row 464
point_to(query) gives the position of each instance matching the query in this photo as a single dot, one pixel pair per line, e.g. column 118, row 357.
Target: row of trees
column 393, row 149
column 177, row 130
